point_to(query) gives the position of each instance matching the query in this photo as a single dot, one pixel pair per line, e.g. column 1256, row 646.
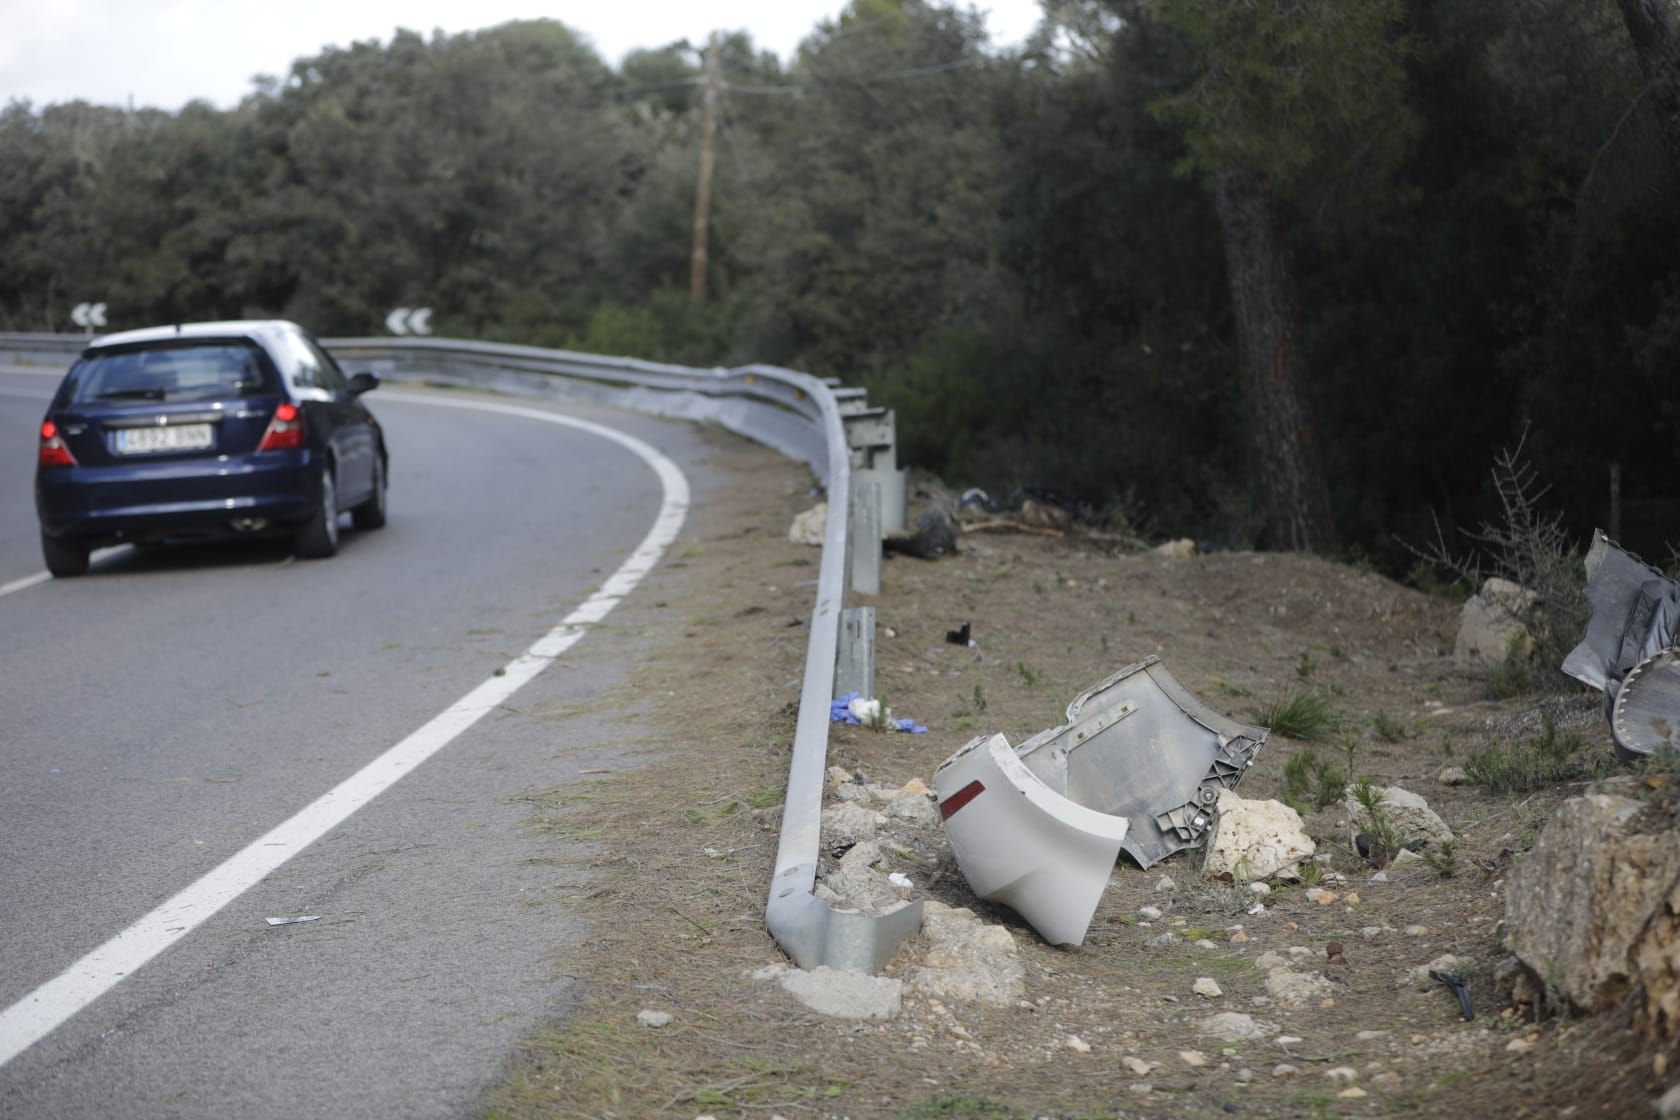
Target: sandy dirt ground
column 683, row 848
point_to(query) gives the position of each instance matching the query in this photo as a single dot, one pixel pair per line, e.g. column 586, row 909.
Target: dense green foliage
column 1003, row 245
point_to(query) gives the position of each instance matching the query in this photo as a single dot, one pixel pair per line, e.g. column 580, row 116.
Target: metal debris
column 1628, row 648
column 1139, row 745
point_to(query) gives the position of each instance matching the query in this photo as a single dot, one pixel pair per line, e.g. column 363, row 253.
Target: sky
column 164, row 53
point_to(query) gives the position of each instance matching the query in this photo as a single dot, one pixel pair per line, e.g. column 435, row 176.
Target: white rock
column 1245, row 1075
column 1269, row 960
column 1520, row 1045
column 1255, row 839
column 1343, row 1074
column 654, row 1019
column 1296, row 989
column 1261, row 889
column 1077, row 1045
column 1181, row 549
column 1490, row 619
column 837, row 777
column 915, row 809
column 1204, row 943
column 1149, row 913
column 1195, row 1059
column 1420, row 977
column 1206, row 986
column 1232, row 1026
column 1417, row 931
column 1370, row 1036
column 853, row 793
column 1136, row 1065
column 848, row 824
column 1352, row 1093
column 1165, row 885
column 1668, row 1105
column 1141, row 1088
column 1288, row 1039
column 967, row 959
column 1410, row 815
column 1284, row 1069
column 846, row 995
column 809, row 526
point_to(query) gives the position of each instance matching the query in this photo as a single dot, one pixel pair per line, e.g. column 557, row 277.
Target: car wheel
column 319, row 537
column 371, row 513
column 65, row 556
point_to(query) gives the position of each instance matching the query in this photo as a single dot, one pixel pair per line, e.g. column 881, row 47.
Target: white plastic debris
column 293, row 921
column 900, row 879
column 865, row 711
column 1021, row 843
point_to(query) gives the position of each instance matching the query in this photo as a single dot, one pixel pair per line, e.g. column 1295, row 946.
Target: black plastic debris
column 959, row 637
column 1459, row 988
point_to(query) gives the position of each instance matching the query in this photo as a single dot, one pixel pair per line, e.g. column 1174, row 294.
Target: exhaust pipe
column 249, row 524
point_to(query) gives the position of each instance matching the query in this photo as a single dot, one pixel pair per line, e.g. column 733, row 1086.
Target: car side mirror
column 362, row 382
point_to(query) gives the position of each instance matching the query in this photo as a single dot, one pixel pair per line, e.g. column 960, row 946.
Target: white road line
column 37, row 1014
column 24, row 584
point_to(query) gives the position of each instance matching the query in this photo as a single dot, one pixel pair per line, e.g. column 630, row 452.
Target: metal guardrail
column 828, row 427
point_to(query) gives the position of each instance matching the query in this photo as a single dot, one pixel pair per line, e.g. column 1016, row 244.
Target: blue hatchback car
column 206, row 430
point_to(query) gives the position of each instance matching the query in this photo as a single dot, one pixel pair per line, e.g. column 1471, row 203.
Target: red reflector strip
column 960, row 798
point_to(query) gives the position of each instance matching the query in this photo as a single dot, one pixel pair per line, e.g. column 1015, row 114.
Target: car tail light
column 285, row 431
column 54, row 453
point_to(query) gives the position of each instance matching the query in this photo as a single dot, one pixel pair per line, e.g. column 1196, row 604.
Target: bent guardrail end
column 813, row 933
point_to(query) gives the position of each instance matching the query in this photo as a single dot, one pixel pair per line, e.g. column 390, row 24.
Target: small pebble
column 1261, row 889
column 1195, row 1059
column 1284, row 1069
column 1149, row 913
column 1204, row 943
column 1141, row 1088
column 1136, row 1065
column 1519, row 1045
column 1245, row 1075
column 1288, row 1039
column 1353, row 1094
column 1238, row 937
column 1165, row 884
column 1342, row 1073
column 1206, row 986
column 1417, row 931
column 655, row 1019
column 1078, row 1045
column 1370, row 1036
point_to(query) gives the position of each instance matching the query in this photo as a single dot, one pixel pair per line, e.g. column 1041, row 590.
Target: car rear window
column 183, row 371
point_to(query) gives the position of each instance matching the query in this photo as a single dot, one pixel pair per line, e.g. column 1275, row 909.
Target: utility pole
column 703, row 196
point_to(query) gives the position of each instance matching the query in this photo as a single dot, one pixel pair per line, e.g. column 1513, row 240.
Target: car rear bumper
column 184, row 497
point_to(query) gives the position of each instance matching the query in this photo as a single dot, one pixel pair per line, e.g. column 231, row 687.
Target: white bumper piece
column 1020, row 843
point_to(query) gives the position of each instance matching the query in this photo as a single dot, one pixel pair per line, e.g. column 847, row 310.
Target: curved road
column 167, row 711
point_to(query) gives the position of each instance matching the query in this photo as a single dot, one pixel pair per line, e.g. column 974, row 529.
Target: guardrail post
column 893, row 487
column 854, row 667
column 864, row 534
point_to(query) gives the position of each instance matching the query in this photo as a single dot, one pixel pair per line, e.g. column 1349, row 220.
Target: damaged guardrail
column 831, row 428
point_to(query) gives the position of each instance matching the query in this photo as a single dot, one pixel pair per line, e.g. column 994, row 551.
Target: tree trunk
column 1658, row 51
column 1285, row 470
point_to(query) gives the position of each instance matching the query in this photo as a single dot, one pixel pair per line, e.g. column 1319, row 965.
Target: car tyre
column 319, row 536
column 65, row 556
column 371, row 513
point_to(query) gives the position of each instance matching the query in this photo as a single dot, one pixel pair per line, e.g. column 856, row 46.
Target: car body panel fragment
column 1021, row 843
column 1139, row 745
column 1635, row 611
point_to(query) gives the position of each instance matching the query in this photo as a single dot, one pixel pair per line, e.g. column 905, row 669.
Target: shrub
column 1536, row 763
column 1302, row 715
column 1311, row 783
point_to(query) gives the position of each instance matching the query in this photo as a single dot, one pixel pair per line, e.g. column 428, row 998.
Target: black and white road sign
column 88, row 315
column 409, row 320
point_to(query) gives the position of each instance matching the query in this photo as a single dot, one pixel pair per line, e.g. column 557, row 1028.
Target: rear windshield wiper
column 150, row 394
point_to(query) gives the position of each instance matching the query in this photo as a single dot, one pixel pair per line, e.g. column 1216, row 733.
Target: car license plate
column 173, row 437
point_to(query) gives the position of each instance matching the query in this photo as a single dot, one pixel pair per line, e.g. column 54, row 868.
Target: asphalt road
column 166, row 711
